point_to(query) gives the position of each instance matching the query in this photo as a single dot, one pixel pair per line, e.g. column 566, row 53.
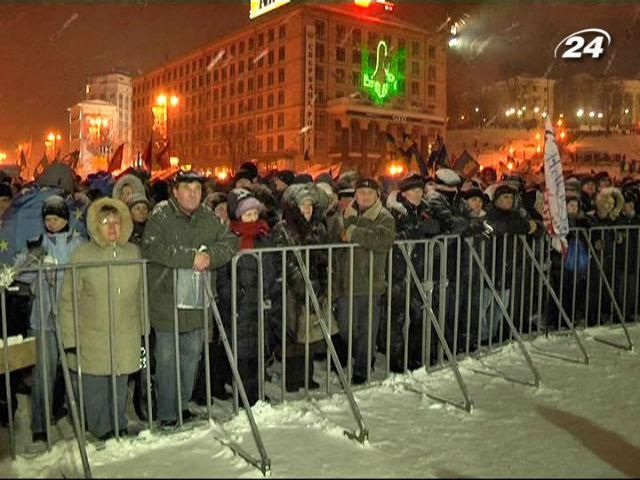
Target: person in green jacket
column 103, row 304
column 372, row 227
column 182, row 240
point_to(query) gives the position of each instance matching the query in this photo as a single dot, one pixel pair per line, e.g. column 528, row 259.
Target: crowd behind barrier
column 243, row 294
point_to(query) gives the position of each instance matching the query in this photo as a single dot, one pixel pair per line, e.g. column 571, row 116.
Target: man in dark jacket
column 371, row 226
column 412, row 223
column 507, row 222
column 183, row 241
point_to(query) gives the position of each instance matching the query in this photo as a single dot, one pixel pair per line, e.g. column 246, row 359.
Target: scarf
column 248, row 232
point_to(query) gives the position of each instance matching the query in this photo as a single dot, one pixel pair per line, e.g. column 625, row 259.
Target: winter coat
column 374, row 230
column 506, row 225
column 247, row 293
column 170, row 241
column 58, row 246
column 92, row 297
column 452, row 214
column 295, row 230
column 138, row 231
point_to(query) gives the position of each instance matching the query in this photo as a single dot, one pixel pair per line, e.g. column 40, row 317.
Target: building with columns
column 300, row 85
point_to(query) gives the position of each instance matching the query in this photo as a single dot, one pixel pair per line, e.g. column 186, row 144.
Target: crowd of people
column 190, row 228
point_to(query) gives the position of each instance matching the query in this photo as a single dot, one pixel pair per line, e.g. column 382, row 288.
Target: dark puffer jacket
column 295, row 230
column 412, row 223
column 247, row 296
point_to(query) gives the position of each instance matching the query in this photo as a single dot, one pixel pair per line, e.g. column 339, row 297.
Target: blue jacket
column 58, row 246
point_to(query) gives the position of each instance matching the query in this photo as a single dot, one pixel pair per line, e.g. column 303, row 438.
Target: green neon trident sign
column 383, row 80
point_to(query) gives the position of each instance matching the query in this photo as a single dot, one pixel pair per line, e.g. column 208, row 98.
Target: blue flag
column 22, row 221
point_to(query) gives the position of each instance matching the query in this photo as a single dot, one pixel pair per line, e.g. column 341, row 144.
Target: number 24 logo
column 577, row 42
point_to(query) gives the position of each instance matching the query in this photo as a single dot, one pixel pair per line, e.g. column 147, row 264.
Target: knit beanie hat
column 240, row 201
column 55, row 205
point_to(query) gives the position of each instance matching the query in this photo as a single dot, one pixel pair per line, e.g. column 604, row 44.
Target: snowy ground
column 582, row 422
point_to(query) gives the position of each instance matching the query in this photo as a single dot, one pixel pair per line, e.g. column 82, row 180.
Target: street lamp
column 580, row 112
column 52, row 138
column 163, row 102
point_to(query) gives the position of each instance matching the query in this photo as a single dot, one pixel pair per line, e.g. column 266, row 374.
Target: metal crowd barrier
column 464, row 297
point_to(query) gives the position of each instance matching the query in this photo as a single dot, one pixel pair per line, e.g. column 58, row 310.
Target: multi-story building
column 116, row 88
column 300, row 85
column 92, row 133
column 522, row 100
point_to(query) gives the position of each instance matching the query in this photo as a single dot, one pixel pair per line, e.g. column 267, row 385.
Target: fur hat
column 242, row 174
column 137, row 198
column 446, row 176
column 216, row 198
column 471, row 192
column 240, row 201
column 503, row 189
column 187, row 177
column 325, row 178
column 349, row 177
column 251, row 168
column 368, row 183
column 305, row 193
column 410, row 181
column 55, row 205
column 303, row 178
column 286, row 176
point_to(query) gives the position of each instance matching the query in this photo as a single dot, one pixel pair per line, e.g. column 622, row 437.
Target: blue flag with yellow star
column 22, row 221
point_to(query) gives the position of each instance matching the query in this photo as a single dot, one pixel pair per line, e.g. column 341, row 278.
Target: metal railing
column 445, row 299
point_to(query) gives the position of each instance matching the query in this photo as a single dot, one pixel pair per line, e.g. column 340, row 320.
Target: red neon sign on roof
column 387, row 5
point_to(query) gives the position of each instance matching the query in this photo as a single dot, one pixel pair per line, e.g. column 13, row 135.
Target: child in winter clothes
column 54, row 247
column 244, row 209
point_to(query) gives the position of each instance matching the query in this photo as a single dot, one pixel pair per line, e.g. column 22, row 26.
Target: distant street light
column 580, row 112
column 592, row 114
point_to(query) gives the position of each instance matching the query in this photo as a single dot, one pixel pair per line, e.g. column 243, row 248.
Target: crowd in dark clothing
column 194, row 226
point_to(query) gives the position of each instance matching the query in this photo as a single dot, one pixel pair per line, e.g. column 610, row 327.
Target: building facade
column 92, row 131
column 300, row 85
column 116, row 88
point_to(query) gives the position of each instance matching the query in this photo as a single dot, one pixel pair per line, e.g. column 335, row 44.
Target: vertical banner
column 555, row 206
column 309, row 92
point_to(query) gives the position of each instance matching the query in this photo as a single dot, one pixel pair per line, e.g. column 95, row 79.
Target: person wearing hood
column 412, row 223
column 333, row 216
column 109, row 318
column 609, row 204
column 217, row 202
column 302, row 224
column 139, row 208
column 126, row 186
column 369, row 225
column 55, row 246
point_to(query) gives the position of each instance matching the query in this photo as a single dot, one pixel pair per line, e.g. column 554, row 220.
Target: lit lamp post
column 52, row 138
column 164, row 102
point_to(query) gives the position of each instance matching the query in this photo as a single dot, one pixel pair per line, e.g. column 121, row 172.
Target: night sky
column 47, row 49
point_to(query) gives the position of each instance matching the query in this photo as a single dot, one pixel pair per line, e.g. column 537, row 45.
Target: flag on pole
column 116, row 160
column 466, row 165
column 163, row 157
column 146, row 156
column 555, row 206
column 413, row 155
